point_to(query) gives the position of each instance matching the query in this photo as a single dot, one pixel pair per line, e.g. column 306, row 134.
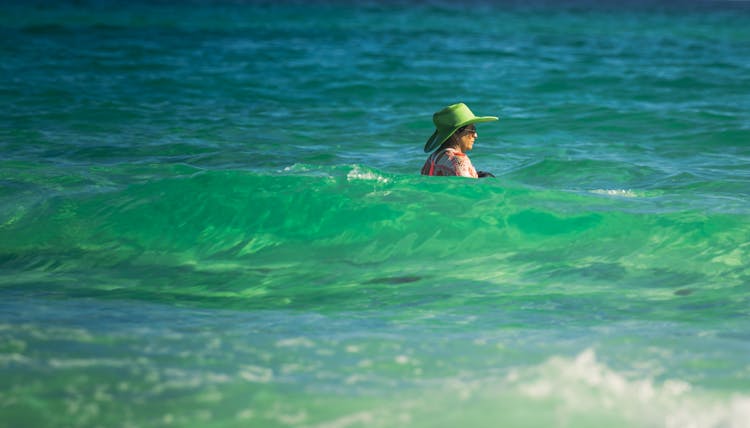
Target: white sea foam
column 295, row 168
column 358, row 174
column 622, row 193
column 301, row 342
column 582, row 388
column 356, row 419
column 77, row 363
column 256, row 374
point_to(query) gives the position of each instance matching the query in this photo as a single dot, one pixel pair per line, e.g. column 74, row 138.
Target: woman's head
column 463, row 139
column 449, row 121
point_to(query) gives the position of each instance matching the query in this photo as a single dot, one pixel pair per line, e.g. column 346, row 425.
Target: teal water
column 211, row 215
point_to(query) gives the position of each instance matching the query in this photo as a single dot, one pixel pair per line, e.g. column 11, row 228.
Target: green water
column 211, row 215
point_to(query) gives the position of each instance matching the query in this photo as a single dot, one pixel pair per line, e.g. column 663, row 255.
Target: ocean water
column 211, row 215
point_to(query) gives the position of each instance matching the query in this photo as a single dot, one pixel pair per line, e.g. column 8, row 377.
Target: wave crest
column 582, row 387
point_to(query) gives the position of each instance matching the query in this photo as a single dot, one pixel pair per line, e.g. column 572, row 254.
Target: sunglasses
column 467, row 129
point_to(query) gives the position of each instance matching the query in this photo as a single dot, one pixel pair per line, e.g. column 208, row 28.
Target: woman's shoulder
column 453, row 152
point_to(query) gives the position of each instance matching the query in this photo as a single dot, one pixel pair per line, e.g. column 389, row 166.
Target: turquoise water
column 211, row 215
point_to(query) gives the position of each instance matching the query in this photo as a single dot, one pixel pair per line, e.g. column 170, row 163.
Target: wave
column 255, row 233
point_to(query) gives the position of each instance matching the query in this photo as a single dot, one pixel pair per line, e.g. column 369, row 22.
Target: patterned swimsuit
column 449, row 162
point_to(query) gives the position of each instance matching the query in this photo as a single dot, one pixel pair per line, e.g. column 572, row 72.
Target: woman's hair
column 454, row 139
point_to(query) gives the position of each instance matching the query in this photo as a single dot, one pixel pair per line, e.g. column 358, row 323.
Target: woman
column 454, row 136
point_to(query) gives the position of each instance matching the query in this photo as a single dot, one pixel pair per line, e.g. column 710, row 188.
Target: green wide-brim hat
column 448, row 120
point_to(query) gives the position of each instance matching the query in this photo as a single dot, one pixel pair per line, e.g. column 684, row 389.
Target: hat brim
column 438, row 137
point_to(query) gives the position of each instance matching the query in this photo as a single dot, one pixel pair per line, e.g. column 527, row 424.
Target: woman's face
column 467, row 138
